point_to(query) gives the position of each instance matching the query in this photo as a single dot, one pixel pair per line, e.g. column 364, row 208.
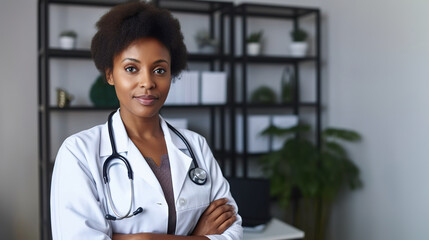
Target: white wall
column 378, row 68
column 375, row 81
column 19, row 182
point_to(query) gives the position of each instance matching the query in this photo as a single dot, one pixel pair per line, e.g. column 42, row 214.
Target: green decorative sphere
column 103, row 94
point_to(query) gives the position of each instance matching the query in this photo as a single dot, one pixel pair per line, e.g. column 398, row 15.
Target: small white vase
column 67, row 42
column 253, row 49
column 298, row 49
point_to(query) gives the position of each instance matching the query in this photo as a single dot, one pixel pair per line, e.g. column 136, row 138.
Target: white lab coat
column 79, row 202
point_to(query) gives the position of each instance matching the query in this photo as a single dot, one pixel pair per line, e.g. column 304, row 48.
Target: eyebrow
column 137, row 61
column 160, row 61
column 131, row 59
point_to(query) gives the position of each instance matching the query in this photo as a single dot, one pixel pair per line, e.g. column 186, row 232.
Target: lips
column 146, row 100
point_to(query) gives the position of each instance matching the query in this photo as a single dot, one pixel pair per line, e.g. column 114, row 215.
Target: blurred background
column 375, row 68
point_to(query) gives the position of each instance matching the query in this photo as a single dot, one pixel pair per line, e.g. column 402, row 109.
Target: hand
column 218, row 217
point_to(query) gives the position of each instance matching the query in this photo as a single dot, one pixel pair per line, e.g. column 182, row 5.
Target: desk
column 275, row 230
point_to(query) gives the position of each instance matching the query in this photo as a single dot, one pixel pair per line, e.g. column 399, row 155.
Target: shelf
column 228, row 154
column 193, row 106
column 81, row 108
column 106, row 3
column 273, row 11
column 191, row 6
column 276, row 59
column 206, row 57
column 62, row 53
column 86, row 54
column 93, row 108
column 276, row 105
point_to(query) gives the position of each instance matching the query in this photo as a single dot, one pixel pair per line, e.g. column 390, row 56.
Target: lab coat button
column 182, row 202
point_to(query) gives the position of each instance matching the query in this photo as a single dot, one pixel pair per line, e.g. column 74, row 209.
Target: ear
column 109, row 77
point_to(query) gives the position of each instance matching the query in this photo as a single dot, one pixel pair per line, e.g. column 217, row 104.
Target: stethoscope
column 196, row 174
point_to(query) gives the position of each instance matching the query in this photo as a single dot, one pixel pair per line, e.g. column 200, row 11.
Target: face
column 141, row 75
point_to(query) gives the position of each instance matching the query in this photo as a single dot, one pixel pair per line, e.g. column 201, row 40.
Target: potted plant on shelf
column 68, row 39
column 254, row 43
column 206, row 44
column 315, row 175
column 264, row 95
column 299, row 45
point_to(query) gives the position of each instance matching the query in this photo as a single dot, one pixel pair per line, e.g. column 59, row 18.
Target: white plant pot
column 67, row 42
column 253, row 49
column 298, row 49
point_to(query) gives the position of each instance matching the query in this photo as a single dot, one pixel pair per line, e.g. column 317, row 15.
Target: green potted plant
column 254, row 43
column 263, row 94
column 206, row 44
column 68, row 39
column 299, row 45
column 314, row 174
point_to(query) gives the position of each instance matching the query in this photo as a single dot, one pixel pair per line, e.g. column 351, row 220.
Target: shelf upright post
column 212, row 30
column 222, row 108
column 226, row 9
column 244, row 89
column 318, row 80
column 231, row 90
column 43, row 117
column 222, row 138
column 297, row 98
column 212, row 126
column 221, row 49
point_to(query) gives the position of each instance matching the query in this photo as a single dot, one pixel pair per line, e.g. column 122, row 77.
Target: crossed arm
column 218, row 217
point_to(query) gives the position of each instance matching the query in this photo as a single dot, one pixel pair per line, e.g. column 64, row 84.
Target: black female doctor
column 139, row 48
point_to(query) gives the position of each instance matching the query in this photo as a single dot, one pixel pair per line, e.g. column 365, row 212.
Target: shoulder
column 78, row 155
column 85, row 137
column 82, row 143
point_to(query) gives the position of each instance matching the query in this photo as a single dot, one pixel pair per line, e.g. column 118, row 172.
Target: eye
column 131, row 69
column 160, row 71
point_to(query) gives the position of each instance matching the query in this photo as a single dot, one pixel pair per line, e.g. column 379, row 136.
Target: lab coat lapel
column 140, row 167
column 179, row 161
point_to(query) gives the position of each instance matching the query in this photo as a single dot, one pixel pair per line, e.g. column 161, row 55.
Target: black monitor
column 253, row 199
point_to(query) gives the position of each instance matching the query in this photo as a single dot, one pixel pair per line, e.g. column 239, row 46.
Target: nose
column 146, row 81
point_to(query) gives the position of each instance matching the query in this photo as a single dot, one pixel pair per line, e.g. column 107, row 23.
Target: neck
column 142, row 128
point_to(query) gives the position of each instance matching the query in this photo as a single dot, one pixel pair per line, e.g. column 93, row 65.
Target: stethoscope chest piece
column 198, row 175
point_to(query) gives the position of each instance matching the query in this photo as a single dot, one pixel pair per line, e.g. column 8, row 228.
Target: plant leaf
column 276, row 131
column 343, row 134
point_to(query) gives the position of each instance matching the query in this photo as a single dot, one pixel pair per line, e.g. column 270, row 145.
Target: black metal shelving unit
column 217, row 13
column 246, row 11
column 222, row 24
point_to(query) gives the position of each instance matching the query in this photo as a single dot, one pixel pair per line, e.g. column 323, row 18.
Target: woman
column 139, row 48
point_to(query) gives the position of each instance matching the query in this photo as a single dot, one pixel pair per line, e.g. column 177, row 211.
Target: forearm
column 155, row 236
